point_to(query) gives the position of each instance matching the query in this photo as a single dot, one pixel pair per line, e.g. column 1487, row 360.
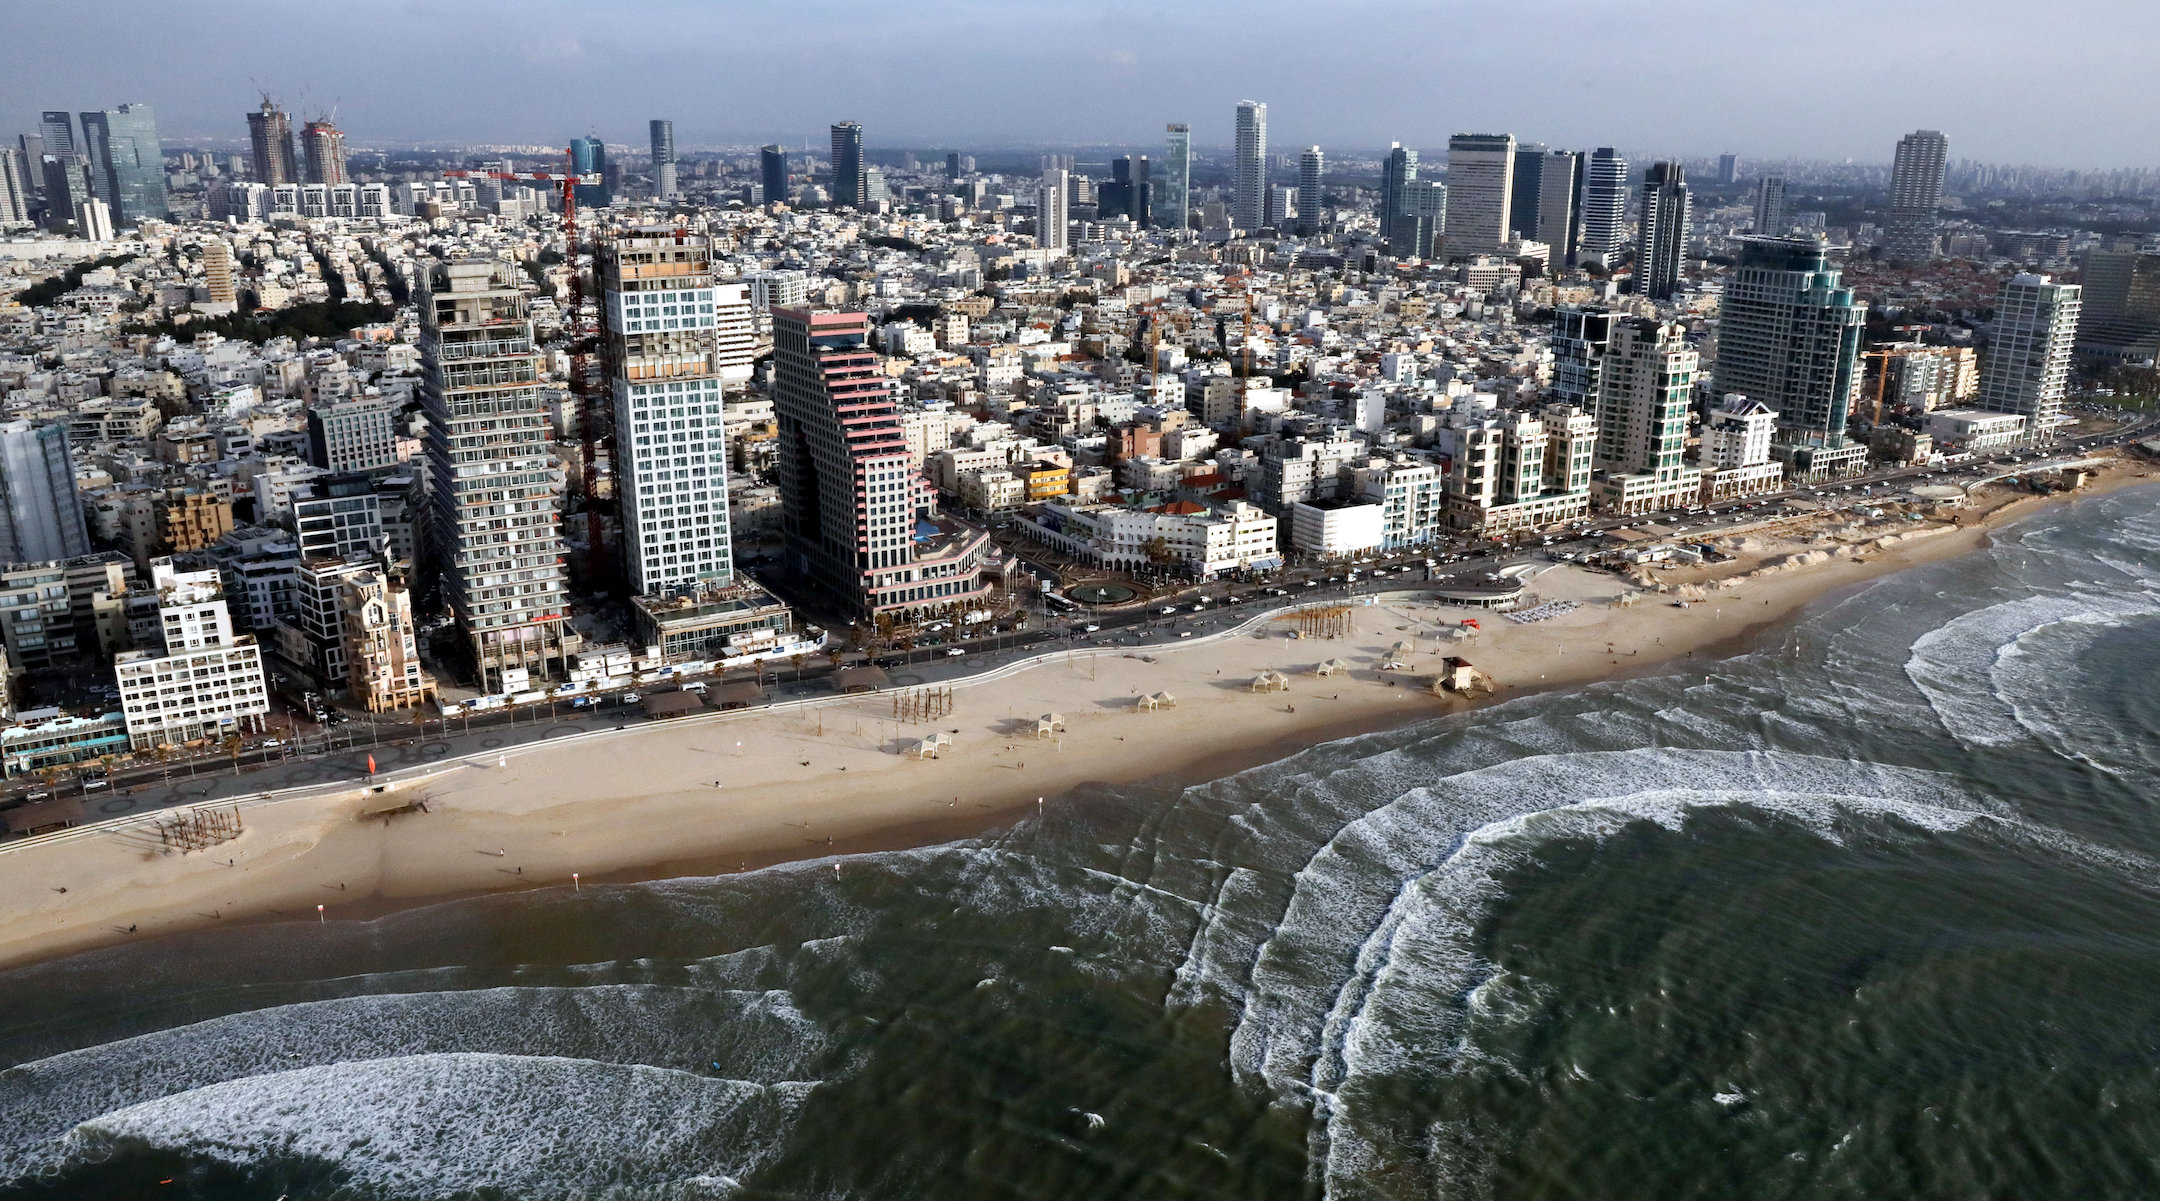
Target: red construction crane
column 583, row 326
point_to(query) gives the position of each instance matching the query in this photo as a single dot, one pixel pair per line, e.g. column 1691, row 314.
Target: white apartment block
column 1335, row 528
column 1736, row 457
column 207, row 684
column 1205, row 541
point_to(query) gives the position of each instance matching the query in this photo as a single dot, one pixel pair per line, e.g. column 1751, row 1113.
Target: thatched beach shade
column 1405, row 647
column 1333, row 667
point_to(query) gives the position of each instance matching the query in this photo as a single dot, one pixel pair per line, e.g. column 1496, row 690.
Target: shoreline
column 769, row 787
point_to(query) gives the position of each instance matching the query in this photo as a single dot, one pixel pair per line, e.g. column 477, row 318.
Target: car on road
column 1091, row 628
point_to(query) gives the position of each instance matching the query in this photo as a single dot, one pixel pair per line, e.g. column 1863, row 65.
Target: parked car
column 954, row 651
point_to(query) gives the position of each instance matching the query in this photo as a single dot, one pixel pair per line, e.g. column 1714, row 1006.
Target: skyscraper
column 663, row 159
column 848, row 185
column 1645, row 387
column 93, row 219
column 1556, row 225
column 850, row 491
column 127, row 163
column 1666, row 210
column 1604, row 208
column 1311, row 165
column 14, row 189
column 661, row 348
column 1130, row 192
column 588, row 156
column 58, row 130
column 1770, row 219
column 1728, row 168
column 1397, row 173
column 1248, row 172
column 1481, row 182
column 773, row 174
column 2120, row 302
column 497, row 529
column 323, row 145
column 1916, row 184
column 218, row 272
column 1789, row 337
column 42, row 517
column 1422, row 226
column 1173, row 204
column 952, row 164
column 2027, row 363
column 1528, row 189
column 67, row 186
column 1050, row 197
column 270, row 135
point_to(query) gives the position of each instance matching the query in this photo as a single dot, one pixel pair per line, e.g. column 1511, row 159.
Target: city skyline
column 555, row 69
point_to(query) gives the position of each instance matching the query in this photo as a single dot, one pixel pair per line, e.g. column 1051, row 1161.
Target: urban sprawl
column 295, row 430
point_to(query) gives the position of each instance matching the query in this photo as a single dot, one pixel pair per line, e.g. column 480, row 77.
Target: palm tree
column 232, row 749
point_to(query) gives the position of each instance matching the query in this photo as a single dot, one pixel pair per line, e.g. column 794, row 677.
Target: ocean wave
column 757, row 1036
column 446, row 1124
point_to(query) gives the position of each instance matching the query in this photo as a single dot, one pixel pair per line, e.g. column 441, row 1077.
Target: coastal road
column 340, row 753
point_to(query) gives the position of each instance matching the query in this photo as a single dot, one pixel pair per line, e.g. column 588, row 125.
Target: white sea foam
column 759, row 1036
column 435, row 1125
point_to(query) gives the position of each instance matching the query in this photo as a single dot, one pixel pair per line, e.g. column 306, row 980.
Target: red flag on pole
column 371, row 765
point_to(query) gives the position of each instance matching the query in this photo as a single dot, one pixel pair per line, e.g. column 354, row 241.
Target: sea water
column 1869, row 911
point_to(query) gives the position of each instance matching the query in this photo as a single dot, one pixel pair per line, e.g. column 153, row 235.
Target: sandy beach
column 726, row 792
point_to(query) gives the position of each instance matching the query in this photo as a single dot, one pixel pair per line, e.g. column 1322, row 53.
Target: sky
column 2068, row 83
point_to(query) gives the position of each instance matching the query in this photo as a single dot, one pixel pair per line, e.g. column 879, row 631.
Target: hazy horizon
column 1678, row 77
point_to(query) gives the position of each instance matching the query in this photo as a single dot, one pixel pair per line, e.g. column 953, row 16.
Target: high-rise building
column 127, row 163
column 663, row 159
column 1528, row 189
column 1050, row 209
column 1481, row 181
column 1311, row 166
column 497, row 522
column 2121, row 300
column 1646, row 385
column 1422, row 225
column 217, row 260
column 93, row 219
column 1604, row 209
column 1580, row 335
column 851, row 494
column 1728, row 169
column 849, row 188
column 2027, row 363
column 270, row 135
column 660, row 305
column 357, row 434
column 1667, row 209
column 42, row 518
column 1173, row 204
column 1248, row 171
column 773, row 174
column 32, row 148
column 1789, row 336
column 67, row 186
column 1556, row 226
column 324, row 147
column 58, row 130
column 588, row 156
column 1397, row 173
column 1130, row 192
column 952, row 164
column 14, row 189
column 1916, row 185
column 1770, row 217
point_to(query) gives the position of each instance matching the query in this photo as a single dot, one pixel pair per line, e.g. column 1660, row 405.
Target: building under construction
column 497, row 530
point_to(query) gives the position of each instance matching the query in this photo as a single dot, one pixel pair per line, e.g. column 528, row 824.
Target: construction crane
column 584, row 328
column 1889, row 351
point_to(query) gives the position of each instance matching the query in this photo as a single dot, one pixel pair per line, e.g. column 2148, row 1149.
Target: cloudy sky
column 2052, row 82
